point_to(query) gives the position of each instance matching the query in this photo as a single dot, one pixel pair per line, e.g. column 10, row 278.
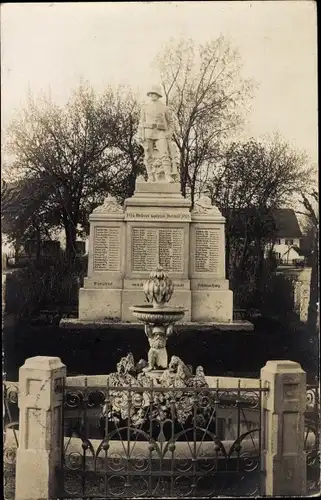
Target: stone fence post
column 40, row 427
column 282, row 430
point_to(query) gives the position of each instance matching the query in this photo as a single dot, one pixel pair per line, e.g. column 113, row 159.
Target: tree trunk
column 70, row 227
column 38, row 245
column 259, row 272
column 133, row 175
column 132, row 182
column 314, row 289
column 227, row 255
column 183, row 173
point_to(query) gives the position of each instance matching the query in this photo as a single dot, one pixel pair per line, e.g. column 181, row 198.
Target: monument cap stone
column 280, row 366
column 43, row 363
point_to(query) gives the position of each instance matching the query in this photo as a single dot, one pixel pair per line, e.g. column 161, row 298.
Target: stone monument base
column 156, row 227
column 212, row 305
column 100, row 303
column 110, row 304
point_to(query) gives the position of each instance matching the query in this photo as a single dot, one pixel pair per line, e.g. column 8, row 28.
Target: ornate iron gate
column 154, row 442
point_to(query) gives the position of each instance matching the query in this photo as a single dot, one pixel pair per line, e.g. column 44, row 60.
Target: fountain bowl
column 148, row 313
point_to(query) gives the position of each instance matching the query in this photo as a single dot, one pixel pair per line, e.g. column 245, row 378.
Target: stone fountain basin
column 147, row 313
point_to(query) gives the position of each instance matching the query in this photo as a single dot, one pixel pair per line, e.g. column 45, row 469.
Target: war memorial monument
column 156, row 227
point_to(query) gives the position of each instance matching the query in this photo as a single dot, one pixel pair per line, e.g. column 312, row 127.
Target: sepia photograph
column 160, row 250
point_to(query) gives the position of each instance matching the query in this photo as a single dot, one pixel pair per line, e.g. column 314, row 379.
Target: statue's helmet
column 155, row 89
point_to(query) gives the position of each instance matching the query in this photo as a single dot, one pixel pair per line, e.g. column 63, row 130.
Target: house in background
column 287, row 244
column 293, row 256
column 283, row 226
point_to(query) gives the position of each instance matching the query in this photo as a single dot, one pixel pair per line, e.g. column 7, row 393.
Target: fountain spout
column 159, row 318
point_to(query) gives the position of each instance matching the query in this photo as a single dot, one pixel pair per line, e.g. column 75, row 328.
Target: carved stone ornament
column 129, row 374
column 158, row 288
column 204, row 206
column 110, row 205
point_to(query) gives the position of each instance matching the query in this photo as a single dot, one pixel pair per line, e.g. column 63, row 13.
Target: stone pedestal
column 156, row 227
column 282, row 429
column 40, row 427
column 211, row 298
column 101, row 296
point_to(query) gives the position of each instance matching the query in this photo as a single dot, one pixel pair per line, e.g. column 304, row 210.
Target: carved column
column 282, row 429
column 40, row 427
column 212, row 300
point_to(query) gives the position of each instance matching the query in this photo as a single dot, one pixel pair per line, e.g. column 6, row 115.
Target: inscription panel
column 106, row 249
column 34, row 432
column 207, row 250
column 138, row 284
column 176, row 216
column 290, row 432
column 34, row 386
column 153, row 246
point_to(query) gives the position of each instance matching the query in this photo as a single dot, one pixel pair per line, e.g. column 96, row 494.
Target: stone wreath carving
column 110, row 205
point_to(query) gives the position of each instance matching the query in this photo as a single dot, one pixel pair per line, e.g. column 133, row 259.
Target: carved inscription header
column 153, row 246
column 158, row 216
column 207, row 258
column 107, row 249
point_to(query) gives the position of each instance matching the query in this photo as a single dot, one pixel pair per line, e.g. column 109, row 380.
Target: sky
column 52, row 46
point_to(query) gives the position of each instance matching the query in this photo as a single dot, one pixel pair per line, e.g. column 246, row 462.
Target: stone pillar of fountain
column 159, row 318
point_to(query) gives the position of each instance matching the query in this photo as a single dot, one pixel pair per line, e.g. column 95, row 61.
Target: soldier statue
column 155, row 134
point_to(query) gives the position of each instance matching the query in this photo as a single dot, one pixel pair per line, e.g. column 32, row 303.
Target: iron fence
column 154, row 454
column 312, row 438
column 155, row 442
column 10, row 436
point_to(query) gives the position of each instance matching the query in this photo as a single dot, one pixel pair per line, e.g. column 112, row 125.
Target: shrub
column 52, row 282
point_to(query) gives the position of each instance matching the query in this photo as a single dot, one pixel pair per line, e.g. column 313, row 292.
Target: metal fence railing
column 157, row 442
column 151, row 442
column 312, row 438
column 10, row 436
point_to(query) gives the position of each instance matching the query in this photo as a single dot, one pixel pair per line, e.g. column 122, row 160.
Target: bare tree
column 75, row 151
column 248, row 184
column 206, row 92
column 121, row 106
column 28, row 212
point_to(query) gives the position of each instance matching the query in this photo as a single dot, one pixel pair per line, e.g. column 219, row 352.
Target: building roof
column 287, row 223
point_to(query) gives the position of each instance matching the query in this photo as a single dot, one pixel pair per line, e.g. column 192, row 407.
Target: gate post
column 40, row 427
column 282, row 432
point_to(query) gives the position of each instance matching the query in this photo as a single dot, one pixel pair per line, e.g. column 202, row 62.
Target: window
column 278, row 241
column 289, row 242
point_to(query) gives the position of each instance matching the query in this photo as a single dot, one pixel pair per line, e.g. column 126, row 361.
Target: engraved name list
column 207, row 251
column 154, row 246
column 107, row 249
